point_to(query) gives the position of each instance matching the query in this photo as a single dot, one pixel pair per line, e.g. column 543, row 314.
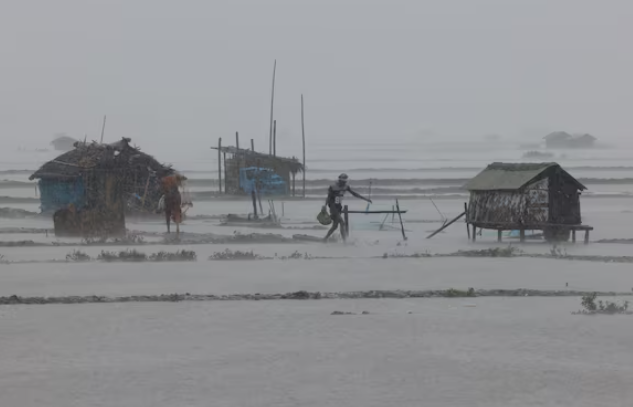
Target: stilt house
column 529, row 196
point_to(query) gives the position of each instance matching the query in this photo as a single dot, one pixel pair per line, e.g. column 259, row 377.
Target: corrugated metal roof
column 510, row 177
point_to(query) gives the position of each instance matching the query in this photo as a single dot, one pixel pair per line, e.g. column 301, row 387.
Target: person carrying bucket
column 334, row 202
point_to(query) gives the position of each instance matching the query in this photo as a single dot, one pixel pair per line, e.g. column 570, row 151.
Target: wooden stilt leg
column 467, row 224
column 522, row 235
column 573, row 236
column 474, row 233
column 586, row 236
column 346, row 219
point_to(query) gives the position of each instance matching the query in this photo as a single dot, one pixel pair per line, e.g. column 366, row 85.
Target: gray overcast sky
column 190, row 71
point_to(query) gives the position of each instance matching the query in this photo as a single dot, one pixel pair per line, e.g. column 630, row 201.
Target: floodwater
column 475, row 352
column 528, row 351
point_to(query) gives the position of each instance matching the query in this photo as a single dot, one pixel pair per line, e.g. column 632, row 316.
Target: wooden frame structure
column 346, row 213
column 286, row 168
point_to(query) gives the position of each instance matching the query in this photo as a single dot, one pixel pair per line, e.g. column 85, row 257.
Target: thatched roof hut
column 119, row 155
column 62, row 181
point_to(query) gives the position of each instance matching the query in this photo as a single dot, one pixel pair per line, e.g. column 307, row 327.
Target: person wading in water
column 173, row 200
column 334, row 201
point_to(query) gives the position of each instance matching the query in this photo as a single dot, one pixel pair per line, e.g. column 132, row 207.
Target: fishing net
column 185, row 198
column 323, row 217
column 186, row 194
column 374, row 221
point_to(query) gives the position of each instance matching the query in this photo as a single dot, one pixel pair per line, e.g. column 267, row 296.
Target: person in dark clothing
column 334, row 202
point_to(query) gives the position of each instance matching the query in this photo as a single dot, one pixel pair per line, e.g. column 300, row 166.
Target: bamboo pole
column 303, row 138
column 103, row 128
column 400, row 216
column 272, row 103
column 220, row 164
column 254, row 203
column 467, row 225
column 274, row 138
column 145, row 193
column 225, row 180
column 259, row 201
column 237, row 146
column 446, row 225
column 374, row 212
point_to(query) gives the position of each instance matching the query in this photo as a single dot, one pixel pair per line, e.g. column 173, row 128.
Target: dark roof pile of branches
column 118, row 156
column 292, row 164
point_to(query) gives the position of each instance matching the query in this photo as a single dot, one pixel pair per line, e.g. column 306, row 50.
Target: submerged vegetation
column 124, row 255
column 605, row 308
column 508, row 251
column 402, row 255
column 296, row 255
column 77, row 256
column 228, row 254
column 128, row 239
column 591, row 307
column 136, row 256
column 133, row 255
column 451, row 292
column 180, row 255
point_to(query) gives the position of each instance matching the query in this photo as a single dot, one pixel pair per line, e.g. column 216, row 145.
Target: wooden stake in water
column 272, row 103
column 345, row 226
column 447, row 224
column 254, row 203
column 220, row 165
column 400, row 216
column 274, row 138
column 103, row 128
column 303, row 138
column 467, row 225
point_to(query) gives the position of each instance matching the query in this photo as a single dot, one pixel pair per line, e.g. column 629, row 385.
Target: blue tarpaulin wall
column 270, row 183
column 56, row 194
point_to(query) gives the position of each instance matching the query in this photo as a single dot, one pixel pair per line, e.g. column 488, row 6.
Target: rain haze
column 480, row 234
column 184, row 73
